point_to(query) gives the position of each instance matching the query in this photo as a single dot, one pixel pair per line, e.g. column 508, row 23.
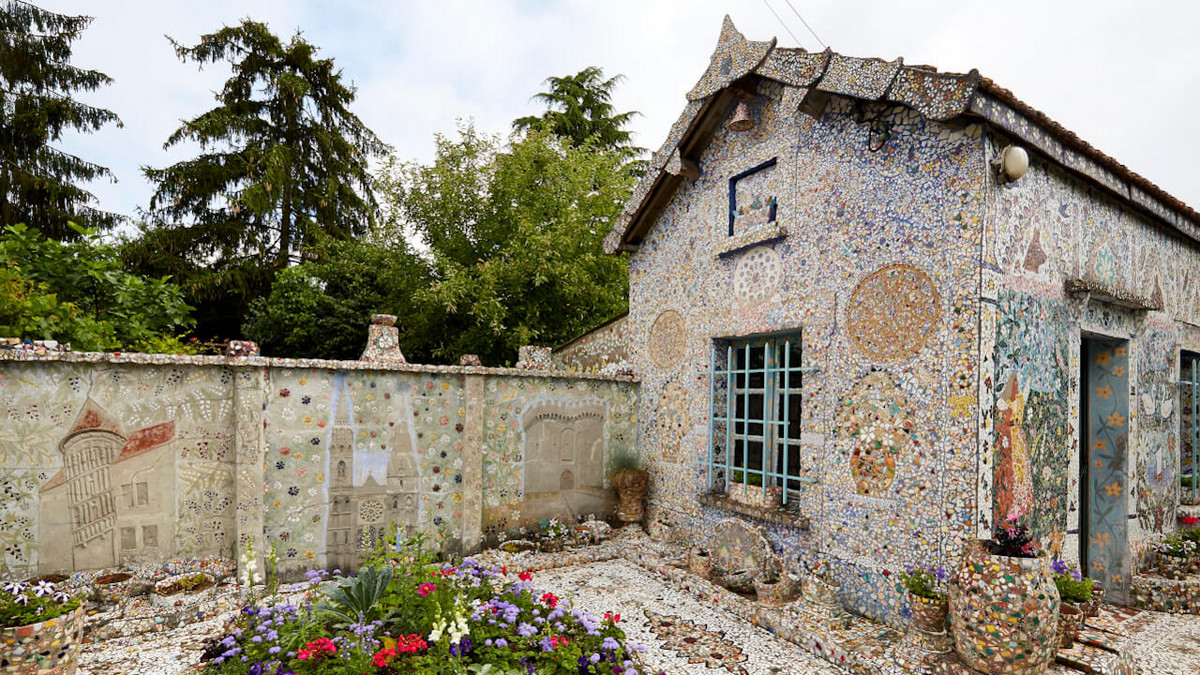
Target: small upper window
column 753, row 201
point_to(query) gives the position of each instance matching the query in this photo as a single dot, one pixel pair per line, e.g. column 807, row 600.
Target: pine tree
column 39, row 184
column 579, row 108
column 282, row 157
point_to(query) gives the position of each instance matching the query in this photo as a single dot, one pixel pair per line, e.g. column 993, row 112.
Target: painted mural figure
column 362, row 513
column 114, row 499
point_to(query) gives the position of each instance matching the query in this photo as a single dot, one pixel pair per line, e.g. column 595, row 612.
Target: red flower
column 550, row 599
column 615, row 618
column 316, row 649
column 525, row 576
column 1190, row 520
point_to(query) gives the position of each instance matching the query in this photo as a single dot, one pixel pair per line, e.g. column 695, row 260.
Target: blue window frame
column 756, row 388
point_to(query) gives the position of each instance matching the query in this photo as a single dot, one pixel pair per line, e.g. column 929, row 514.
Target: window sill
column 763, row 235
column 774, row 516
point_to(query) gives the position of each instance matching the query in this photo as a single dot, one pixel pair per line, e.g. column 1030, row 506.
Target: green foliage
column 622, row 460
column 321, row 308
column 752, row 478
column 282, row 160
column 77, row 292
column 925, row 582
column 1073, row 590
column 357, row 599
column 24, row 603
column 39, row 183
column 515, row 241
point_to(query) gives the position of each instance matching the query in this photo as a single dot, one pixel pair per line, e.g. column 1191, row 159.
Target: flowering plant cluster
column 23, row 603
column 1011, row 538
column 926, row 582
column 1176, row 546
column 430, row 619
column 1072, row 586
column 1191, row 529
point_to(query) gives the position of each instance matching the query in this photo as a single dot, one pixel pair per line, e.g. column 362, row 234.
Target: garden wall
column 117, row 459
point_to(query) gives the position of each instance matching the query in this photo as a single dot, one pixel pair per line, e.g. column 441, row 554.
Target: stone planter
column 753, row 495
column 1171, row 567
column 775, row 593
column 50, row 646
column 700, row 563
column 1004, row 612
column 183, row 590
column 927, row 614
column 631, row 487
column 1070, row 620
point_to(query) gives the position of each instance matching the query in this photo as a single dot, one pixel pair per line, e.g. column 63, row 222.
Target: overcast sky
column 1124, row 76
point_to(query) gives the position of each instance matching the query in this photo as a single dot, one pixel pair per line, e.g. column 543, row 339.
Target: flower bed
column 405, row 614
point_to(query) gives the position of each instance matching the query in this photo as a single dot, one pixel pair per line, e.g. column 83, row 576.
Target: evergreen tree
column 39, row 183
column 282, row 157
column 579, row 108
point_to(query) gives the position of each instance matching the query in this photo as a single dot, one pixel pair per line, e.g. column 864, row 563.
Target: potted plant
column 1191, row 532
column 774, row 586
column 926, row 598
column 41, row 628
column 747, row 488
column 631, row 480
column 1075, row 596
column 1003, row 603
column 700, row 563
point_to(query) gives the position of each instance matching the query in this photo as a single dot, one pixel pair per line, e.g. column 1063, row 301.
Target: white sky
column 1125, row 76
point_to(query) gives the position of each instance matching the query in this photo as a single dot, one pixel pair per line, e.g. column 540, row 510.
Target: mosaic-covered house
column 839, row 286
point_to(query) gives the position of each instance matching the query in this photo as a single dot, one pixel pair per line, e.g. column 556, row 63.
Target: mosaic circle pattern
column 370, row 511
column 878, row 421
column 757, row 276
column 667, row 338
column 892, row 312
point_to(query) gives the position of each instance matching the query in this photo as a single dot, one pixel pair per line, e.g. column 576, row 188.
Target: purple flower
column 610, row 644
column 501, row 642
column 43, row 588
column 940, row 573
column 525, row 630
column 1058, row 567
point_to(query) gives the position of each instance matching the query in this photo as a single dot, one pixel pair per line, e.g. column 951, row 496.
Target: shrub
column 1072, row 586
column 925, row 582
column 23, row 603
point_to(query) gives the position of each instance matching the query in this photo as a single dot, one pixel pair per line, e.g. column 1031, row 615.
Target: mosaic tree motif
column 756, row 276
column 1158, row 451
column 892, row 313
column 668, row 338
column 879, row 422
column 1033, row 423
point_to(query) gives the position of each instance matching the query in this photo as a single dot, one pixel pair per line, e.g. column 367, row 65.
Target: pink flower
column 425, row 589
column 1014, row 514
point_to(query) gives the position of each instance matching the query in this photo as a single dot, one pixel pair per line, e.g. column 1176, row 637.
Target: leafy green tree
column 282, row 159
column 579, row 108
column 514, row 238
column 39, row 184
column 77, row 292
column 321, row 308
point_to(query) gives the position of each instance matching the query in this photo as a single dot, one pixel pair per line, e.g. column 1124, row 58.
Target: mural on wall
column 1157, row 448
column 1033, row 426
column 545, row 445
column 107, row 464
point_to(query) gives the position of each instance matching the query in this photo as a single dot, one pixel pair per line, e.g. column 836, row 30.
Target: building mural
column 943, row 309
column 107, row 460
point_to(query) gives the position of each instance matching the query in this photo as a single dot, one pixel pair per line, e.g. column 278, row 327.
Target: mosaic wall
column 1045, row 229
column 596, row 350
column 110, row 463
column 878, row 269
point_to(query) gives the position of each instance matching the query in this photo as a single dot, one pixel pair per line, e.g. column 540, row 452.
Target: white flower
column 21, row 599
column 43, row 588
column 62, row 597
column 15, row 587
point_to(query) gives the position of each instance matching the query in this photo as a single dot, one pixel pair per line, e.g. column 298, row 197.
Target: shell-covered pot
column 1004, row 612
column 1070, row 620
column 928, row 614
column 700, row 563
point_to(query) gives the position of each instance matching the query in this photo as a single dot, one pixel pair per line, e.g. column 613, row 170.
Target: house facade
column 836, row 288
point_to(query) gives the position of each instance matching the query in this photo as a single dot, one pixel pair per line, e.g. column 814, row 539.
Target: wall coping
column 134, row 358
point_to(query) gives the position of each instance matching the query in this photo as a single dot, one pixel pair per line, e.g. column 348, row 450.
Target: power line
column 814, row 33
column 781, row 23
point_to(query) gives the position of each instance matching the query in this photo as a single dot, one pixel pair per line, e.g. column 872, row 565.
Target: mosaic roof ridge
column 936, row 95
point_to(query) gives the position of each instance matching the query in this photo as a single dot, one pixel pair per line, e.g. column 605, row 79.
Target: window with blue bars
column 757, row 387
column 1189, row 428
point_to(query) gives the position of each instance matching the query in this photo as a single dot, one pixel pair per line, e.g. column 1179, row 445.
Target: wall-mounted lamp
column 1012, row 163
column 742, row 120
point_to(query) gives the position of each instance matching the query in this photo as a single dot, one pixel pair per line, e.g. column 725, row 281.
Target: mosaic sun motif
column 696, row 644
column 667, row 338
column 757, row 276
column 879, row 423
column 892, row 312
